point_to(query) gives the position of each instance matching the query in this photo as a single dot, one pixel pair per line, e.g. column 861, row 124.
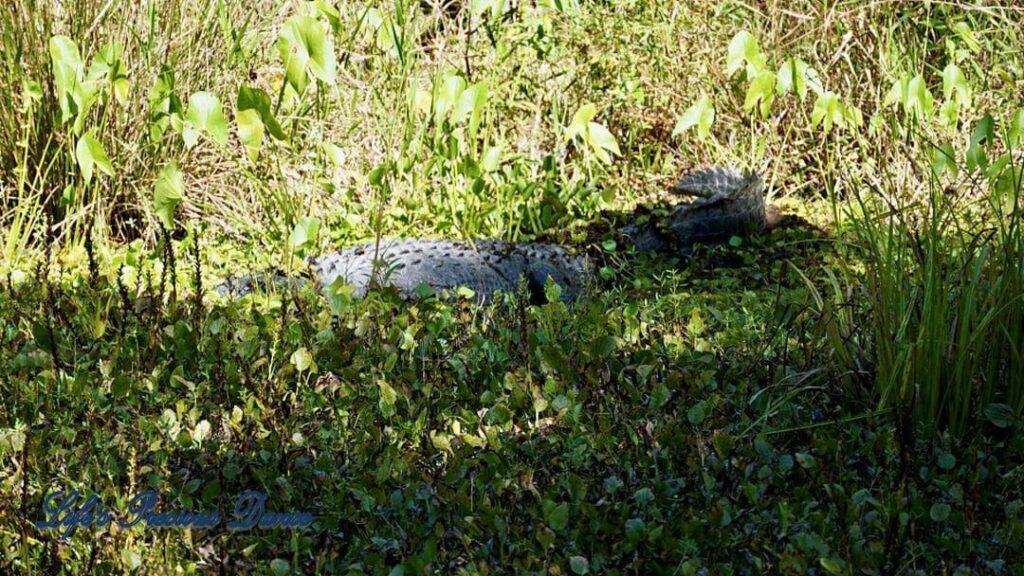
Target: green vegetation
column 841, row 395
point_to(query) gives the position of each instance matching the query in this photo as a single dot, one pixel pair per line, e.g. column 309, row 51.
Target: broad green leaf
column 579, row 565
column 388, row 398
column 602, row 141
column 896, row 96
column 306, row 47
column 89, row 152
column 31, row 94
column 205, row 115
column 107, row 66
column 939, row 512
column 201, row 432
column 919, row 101
column 132, row 560
column 831, row 566
column 578, row 125
column 1001, row 415
column 954, row 83
column 701, row 115
column 492, row 159
column 304, row 234
column 477, row 7
column 828, row 110
column 761, row 91
column 963, row 30
column 67, row 71
column 944, row 159
column 448, row 95
column 1016, row 130
column 595, row 135
column 744, row 50
column 949, row 114
column 75, row 94
column 302, row 359
column 557, row 516
column 168, row 192
column 280, row 567
column 250, row 131
column 334, row 153
column 982, row 137
column 793, row 76
column 256, row 99
column 163, row 104
column 340, row 295
column 470, row 105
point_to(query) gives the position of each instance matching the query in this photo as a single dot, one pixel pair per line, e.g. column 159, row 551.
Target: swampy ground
column 841, row 395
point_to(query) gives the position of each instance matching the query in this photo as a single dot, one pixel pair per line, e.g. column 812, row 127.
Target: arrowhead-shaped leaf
column 90, row 153
column 828, row 110
column 1016, row 130
column 602, row 141
column 796, row 75
column 954, row 83
column 701, row 115
column 761, row 90
column 578, row 125
column 250, row 98
column 743, row 49
column 205, row 115
column 168, row 192
column 67, row 71
column 470, row 105
column 305, row 46
column 250, row 131
column 919, row 100
column 304, row 233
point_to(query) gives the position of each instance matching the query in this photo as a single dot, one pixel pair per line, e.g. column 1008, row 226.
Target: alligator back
column 489, row 266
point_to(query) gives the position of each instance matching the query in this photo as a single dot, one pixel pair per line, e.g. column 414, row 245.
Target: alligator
column 726, row 203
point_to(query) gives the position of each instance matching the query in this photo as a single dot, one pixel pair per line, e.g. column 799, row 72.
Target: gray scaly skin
column 492, row 265
column 727, row 204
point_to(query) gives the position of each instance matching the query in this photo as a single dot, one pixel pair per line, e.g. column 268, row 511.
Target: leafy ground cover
column 839, row 396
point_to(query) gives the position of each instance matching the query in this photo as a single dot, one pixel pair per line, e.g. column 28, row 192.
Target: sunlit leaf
column 448, row 95
column 304, row 234
column 918, row 99
column 67, row 71
column 761, row 91
column 250, row 131
column 794, row 75
column 954, row 83
column 943, row 160
column 470, row 105
column 603, row 142
column 492, row 159
column 964, row 32
column 701, row 115
column 744, row 50
column 578, row 125
column 1015, row 131
column 205, row 115
column 949, row 113
column 168, row 192
column 828, row 111
column 107, row 66
column 89, row 152
column 302, row 359
column 306, row 47
column 250, row 98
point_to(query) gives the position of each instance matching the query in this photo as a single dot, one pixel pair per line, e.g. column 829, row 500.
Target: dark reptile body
column 728, row 203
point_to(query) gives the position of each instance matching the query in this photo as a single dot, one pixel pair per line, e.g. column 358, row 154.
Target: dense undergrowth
column 839, row 396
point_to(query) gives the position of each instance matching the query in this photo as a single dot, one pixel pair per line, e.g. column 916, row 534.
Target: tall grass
column 943, row 282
